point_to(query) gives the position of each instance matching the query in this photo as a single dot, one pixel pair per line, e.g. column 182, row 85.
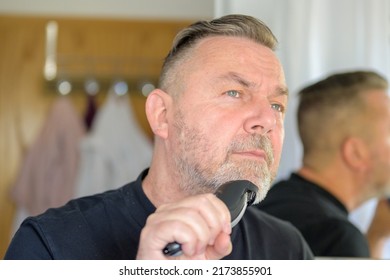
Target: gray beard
column 196, row 175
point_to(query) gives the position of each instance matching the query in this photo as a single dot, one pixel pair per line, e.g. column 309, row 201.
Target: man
column 217, row 116
column 344, row 125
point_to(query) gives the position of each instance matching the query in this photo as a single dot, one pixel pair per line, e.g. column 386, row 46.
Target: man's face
column 379, row 124
column 228, row 120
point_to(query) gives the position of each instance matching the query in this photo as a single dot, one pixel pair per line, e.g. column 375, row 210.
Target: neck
column 160, row 189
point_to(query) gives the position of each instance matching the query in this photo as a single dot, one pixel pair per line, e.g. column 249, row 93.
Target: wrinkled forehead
column 236, row 53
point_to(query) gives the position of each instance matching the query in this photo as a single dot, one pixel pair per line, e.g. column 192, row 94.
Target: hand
column 201, row 224
column 379, row 229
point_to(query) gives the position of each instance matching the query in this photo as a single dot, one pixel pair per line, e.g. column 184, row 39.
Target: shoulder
column 71, row 231
column 336, row 237
column 84, row 213
column 87, row 207
column 301, row 202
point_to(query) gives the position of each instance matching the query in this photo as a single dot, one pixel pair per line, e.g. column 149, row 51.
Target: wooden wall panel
column 25, row 97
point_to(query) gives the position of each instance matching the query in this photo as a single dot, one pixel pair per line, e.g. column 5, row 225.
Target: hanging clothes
column 90, row 111
column 48, row 173
column 115, row 151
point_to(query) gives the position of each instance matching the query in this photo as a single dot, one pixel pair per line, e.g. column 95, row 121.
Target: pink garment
column 48, row 173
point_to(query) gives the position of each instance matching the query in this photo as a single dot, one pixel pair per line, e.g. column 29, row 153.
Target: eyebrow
column 238, row 79
column 248, row 84
column 282, row 91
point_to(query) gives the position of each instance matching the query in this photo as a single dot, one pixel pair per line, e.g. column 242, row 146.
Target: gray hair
column 230, row 25
column 329, row 109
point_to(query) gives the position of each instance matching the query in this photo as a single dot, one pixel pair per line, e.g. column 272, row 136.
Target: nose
column 261, row 120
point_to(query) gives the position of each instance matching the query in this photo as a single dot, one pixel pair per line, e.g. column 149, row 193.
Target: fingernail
column 230, row 248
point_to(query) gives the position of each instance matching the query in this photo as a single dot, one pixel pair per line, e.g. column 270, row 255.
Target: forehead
column 215, row 55
column 237, row 49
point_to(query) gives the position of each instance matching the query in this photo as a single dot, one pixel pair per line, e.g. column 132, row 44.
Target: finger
column 215, row 214
column 155, row 236
column 221, row 248
column 193, row 220
column 219, row 218
column 212, row 209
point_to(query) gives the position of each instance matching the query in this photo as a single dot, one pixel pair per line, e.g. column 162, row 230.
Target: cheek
column 277, row 139
column 279, row 132
column 204, row 137
column 380, row 156
column 219, row 129
column 383, row 149
column 386, row 153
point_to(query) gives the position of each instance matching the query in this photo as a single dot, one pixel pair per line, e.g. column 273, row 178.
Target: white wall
column 143, row 9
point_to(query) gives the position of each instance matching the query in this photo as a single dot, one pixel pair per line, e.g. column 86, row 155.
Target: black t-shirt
column 319, row 216
column 108, row 226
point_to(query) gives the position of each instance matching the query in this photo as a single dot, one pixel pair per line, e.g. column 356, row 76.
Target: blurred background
column 74, row 76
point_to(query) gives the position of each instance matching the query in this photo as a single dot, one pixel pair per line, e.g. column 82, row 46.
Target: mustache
column 253, row 142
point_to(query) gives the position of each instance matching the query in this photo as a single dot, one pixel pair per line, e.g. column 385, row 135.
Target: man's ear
column 157, row 105
column 356, row 153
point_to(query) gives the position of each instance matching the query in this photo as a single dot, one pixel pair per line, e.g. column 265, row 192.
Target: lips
column 255, row 154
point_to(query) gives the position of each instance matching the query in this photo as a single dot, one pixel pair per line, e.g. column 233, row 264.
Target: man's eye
column 278, row 107
column 233, row 93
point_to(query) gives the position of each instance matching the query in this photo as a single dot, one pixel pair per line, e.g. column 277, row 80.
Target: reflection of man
column 218, row 116
column 344, row 124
